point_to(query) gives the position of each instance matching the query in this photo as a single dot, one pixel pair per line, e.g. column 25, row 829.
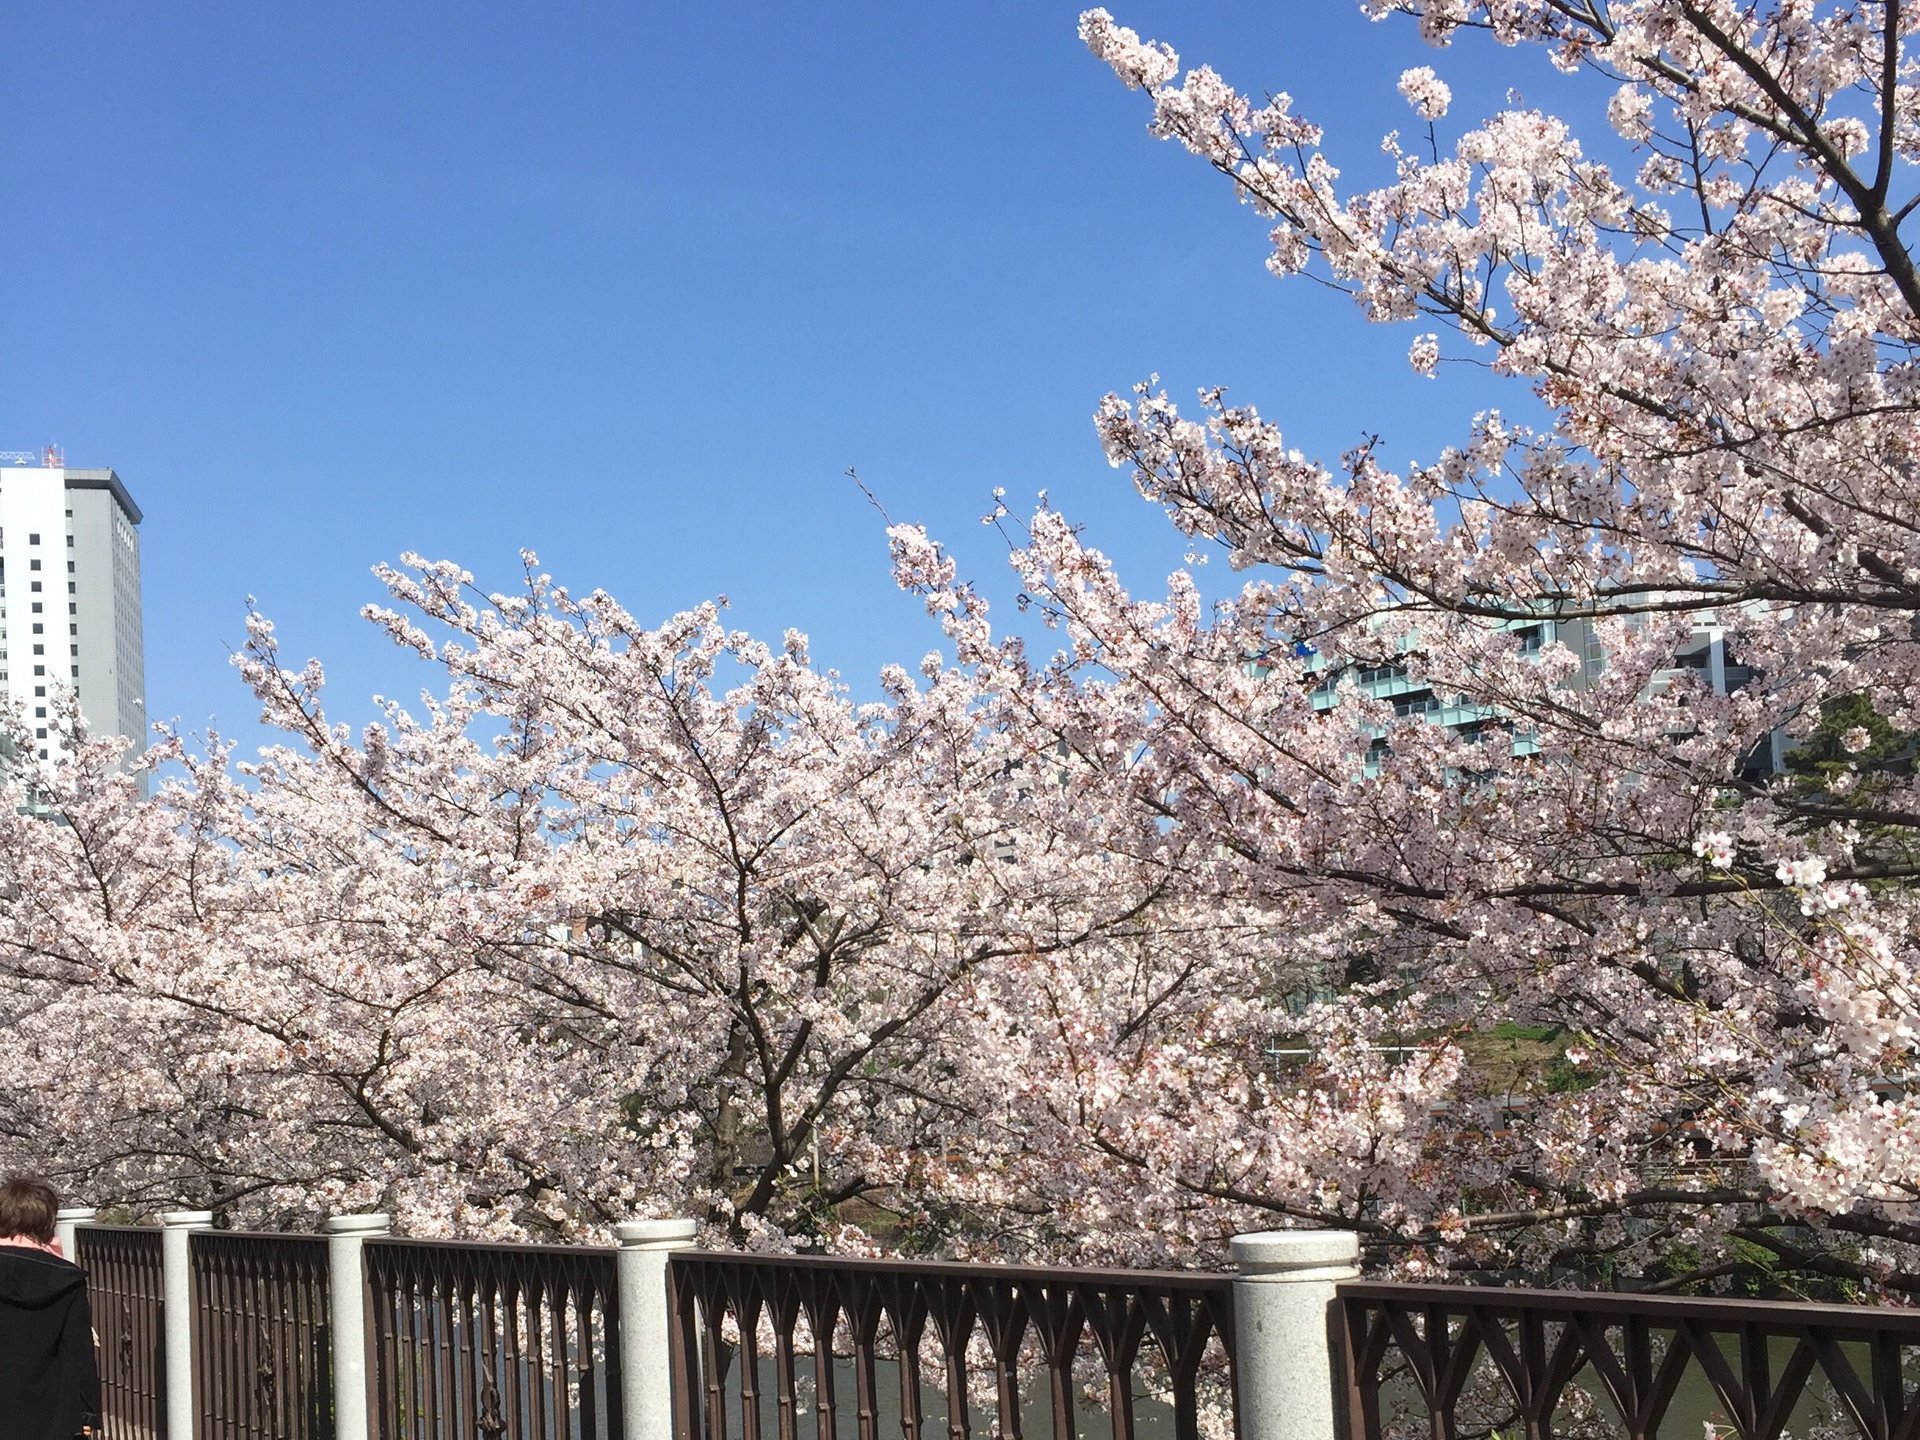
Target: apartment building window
column 33, row 539
column 1700, row 659
column 33, row 564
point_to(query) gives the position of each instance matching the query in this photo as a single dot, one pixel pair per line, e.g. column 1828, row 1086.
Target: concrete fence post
column 1283, row 1330
column 66, row 1221
column 176, row 1298
column 646, row 1379
column 347, row 1318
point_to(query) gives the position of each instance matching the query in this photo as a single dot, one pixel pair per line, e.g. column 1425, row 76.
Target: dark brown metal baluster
column 602, row 1357
column 1622, row 1390
column 559, row 1326
column 386, row 1390
column 1755, row 1379
column 408, row 1377
column 1453, row 1358
column 1364, row 1343
column 1058, row 1320
column 580, row 1416
column 1003, row 1312
column 950, row 1307
column 1117, row 1324
column 443, row 1415
column 1536, row 1400
column 207, row 1335
column 1506, row 1358
column 1733, row 1394
column 683, row 1348
column 717, row 1354
column 744, row 1295
column 513, row 1302
column 783, row 1305
column 1777, row 1407
column 425, row 1356
column 539, row 1294
column 1666, row 1383
column 823, row 1313
column 906, row 1306
column 489, row 1423
column 1882, row 1414
column 863, row 1325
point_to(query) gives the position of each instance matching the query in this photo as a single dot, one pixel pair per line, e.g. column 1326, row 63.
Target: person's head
column 28, row 1206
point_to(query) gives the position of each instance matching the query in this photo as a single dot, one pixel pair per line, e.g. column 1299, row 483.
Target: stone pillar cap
column 369, row 1223
column 636, row 1234
column 186, row 1219
column 1270, row 1252
column 76, row 1212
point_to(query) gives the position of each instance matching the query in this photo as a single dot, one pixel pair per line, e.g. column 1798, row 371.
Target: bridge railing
column 478, row 1342
column 124, row 1284
column 206, row 1335
column 988, row 1349
column 262, row 1345
column 1456, row 1359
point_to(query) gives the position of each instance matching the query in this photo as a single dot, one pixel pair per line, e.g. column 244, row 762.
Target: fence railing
column 1465, row 1360
column 477, row 1342
column 833, row 1325
column 124, row 1285
column 262, row 1351
column 208, row 1335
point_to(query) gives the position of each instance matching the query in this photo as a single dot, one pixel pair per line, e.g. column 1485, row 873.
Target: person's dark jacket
column 49, row 1383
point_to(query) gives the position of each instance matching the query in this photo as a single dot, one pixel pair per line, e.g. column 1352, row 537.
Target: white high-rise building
column 70, row 594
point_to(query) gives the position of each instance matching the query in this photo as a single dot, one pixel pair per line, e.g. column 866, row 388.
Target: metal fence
column 124, row 1286
column 1144, row 1335
column 476, row 1342
column 1524, row 1363
column 263, row 1361
column 483, row 1342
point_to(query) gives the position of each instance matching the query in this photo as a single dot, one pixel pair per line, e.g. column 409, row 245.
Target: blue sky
column 634, row 284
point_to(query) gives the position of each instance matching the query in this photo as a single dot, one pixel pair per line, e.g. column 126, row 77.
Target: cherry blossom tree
column 624, row 920
column 1183, row 928
column 1706, row 320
